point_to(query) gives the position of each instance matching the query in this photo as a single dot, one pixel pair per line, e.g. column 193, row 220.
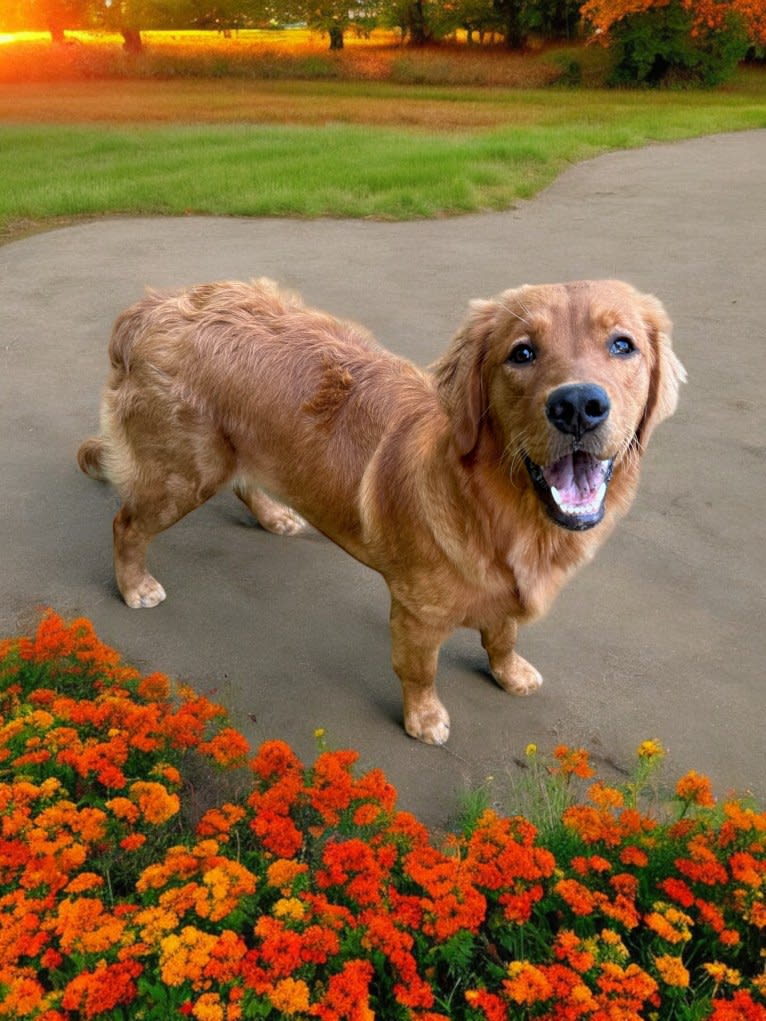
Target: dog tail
column 90, row 458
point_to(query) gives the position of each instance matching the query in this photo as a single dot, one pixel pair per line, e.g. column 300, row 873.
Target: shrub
column 663, row 45
column 311, row 896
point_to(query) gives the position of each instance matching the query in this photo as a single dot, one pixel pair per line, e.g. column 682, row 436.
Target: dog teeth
column 592, row 507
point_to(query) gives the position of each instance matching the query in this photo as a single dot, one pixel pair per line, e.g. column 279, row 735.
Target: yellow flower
column 531, row 750
column 651, row 749
column 722, row 973
column 289, row 907
column 184, row 955
column 41, row 719
column 290, row 996
column 669, row 923
column 614, row 940
column 155, row 922
column 49, row 786
column 672, row 971
column 208, row 1008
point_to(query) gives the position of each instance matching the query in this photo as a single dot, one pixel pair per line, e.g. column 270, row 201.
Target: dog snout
column 577, row 408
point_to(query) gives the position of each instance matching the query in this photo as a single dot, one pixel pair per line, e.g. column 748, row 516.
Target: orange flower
column 228, row 748
column 103, row 989
column 83, row 925
column 695, row 789
column 578, row 897
column 154, row 801
column 283, row 872
column 741, row 1007
column 347, row 996
column 123, row 808
column 672, row 971
column 217, row 822
column 669, row 923
column 154, row 687
column 632, row 855
column 605, row 797
column 133, row 841
column 209, row 1008
column 527, row 984
column 290, row 996
column 275, row 758
column 572, row 762
column 569, row 947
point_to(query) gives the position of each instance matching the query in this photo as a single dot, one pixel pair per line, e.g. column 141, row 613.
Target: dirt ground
column 664, row 635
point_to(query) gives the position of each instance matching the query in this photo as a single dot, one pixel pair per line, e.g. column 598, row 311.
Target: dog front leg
column 509, row 669
column 415, row 647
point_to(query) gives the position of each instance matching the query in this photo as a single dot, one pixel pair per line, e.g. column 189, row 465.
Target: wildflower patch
column 312, row 896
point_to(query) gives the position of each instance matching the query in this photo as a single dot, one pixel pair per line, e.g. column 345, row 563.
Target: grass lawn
column 285, row 147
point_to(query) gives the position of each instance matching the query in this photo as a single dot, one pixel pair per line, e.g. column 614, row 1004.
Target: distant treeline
column 677, row 42
column 419, row 21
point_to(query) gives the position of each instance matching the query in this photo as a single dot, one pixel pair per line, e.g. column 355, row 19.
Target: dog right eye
column 522, row 354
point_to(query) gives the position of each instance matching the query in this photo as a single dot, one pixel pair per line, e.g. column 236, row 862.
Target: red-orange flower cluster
column 313, row 897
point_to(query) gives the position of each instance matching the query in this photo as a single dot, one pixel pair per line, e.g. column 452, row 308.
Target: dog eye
column 522, row 354
column 621, row 346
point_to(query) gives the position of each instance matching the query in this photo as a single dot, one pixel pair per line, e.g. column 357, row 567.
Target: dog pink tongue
column 576, row 479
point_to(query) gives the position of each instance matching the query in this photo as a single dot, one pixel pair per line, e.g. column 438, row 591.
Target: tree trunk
column 515, row 37
column 418, row 27
column 131, row 40
column 336, row 37
column 511, row 16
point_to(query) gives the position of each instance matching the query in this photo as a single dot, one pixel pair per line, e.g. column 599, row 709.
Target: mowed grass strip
column 343, row 166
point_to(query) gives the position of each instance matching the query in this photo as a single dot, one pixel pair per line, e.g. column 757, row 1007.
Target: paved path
column 664, row 635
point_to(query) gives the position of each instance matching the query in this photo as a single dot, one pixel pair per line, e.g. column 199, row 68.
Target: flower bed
column 311, row 896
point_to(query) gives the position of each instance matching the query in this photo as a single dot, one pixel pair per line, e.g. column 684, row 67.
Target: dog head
column 571, row 379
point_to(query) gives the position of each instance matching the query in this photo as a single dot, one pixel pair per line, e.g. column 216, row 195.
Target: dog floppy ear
column 667, row 372
column 459, row 375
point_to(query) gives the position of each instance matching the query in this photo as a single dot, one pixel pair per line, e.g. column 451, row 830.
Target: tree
column 130, row 17
column 58, row 15
column 553, row 19
column 512, row 15
column 693, row 41
column 334, row 17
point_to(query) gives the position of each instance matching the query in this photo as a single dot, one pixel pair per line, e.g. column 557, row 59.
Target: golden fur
column 425, row 476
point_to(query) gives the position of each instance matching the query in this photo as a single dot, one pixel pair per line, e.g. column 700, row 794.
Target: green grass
column 344, row 167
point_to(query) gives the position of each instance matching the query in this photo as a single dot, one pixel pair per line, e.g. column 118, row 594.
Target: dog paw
column 519, row 678
column 282, row 522
column 147, row 593
column 430, row 726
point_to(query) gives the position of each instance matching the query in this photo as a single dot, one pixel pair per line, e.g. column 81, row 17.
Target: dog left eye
column 621, row 346
column 522, row 354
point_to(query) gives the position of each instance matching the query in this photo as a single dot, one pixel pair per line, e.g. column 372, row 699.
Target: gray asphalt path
column 664, row 635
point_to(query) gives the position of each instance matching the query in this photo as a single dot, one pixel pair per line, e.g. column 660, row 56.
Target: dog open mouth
column 573, row 489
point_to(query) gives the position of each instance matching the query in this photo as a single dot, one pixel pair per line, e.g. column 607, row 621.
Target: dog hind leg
column 157, row 493
column 272, row 515
column 150, row 508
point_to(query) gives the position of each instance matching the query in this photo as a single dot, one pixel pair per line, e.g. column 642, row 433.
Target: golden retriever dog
column 475, row 488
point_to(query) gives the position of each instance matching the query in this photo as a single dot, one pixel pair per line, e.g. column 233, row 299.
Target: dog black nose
column 577, row 408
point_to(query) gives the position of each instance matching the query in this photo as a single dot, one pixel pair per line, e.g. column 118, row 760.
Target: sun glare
column 21, row 37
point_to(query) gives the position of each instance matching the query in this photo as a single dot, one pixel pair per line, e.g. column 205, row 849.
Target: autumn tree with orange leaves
column 676, row 41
